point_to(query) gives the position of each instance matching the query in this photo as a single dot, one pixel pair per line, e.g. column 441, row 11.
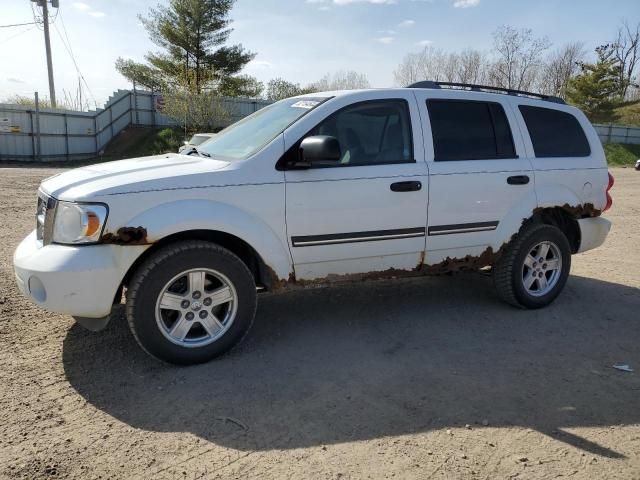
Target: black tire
column 508, row 271
column 153, row 275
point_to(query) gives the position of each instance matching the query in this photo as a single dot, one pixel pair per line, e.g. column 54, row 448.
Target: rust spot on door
column 468, row 263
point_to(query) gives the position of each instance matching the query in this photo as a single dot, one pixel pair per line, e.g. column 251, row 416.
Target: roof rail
column 485, row 88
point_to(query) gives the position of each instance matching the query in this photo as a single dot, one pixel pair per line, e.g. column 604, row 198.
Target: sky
column 299, row 40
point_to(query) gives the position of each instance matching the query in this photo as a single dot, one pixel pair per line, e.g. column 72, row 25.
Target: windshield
column 246, row 137
column 198, row 139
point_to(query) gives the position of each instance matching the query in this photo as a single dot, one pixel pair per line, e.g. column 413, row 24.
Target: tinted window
column 370, row 133
column 555, row 133
column 468, row 130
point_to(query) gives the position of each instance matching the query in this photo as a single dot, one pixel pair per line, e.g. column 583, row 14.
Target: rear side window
column 469, row 130
column 555, row 133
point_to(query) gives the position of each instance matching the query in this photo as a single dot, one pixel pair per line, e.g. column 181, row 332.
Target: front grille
column 44, row 217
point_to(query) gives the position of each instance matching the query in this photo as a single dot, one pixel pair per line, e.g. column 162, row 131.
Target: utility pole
column 47, row 45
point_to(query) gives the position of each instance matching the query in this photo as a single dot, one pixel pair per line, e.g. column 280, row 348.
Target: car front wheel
column 190, row 302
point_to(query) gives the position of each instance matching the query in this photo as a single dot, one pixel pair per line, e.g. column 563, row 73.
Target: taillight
column 609, row 199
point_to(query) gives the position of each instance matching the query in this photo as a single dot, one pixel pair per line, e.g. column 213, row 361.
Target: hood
column 144, row 173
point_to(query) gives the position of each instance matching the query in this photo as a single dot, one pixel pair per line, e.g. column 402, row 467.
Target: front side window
column 252, row 133
column 371, row 133
column 555, row 133
column 469, row 130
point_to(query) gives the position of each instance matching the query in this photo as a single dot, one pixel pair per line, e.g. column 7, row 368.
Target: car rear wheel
column 534, row 268
column 191, row 302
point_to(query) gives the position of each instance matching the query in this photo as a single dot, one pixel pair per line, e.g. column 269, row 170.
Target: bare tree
column 627, row 52
column 427, row 64
column 471, row 66
column 450, row 67
column 409, row 70
column 431, row 63
column 518, row 55
column 560, row 66
column 342, row 80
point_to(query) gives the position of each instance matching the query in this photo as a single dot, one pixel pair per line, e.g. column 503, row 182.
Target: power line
column 17, row 25
column 69, row 49
column 16, row 35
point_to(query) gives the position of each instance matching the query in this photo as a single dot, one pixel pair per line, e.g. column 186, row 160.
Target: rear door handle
column 518, row 180
column 406, row 186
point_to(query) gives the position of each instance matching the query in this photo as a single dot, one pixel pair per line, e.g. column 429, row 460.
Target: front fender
column 179, row 216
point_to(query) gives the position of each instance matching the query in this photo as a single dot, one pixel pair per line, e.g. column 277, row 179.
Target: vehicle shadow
column 386, row 358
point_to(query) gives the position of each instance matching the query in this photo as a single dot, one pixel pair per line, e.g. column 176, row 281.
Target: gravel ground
column 421, row 378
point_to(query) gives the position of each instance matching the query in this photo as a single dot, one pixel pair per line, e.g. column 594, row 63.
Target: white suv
column 325, row 187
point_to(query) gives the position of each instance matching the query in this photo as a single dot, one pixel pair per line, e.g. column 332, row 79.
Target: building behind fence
column 33, row 134
column 41, row 134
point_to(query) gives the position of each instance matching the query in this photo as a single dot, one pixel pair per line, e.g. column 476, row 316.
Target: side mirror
column 319, row 150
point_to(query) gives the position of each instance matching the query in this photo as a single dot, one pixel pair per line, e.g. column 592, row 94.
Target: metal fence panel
column 618, row 134
column 66, row 134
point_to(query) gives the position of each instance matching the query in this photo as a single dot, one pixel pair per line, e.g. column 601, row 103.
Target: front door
column 368, row 212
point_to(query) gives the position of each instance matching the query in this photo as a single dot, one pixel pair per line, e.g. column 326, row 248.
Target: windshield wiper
column 202, row 153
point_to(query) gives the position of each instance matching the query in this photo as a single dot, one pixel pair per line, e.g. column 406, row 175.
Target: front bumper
column 74, row 280
column 593, row 232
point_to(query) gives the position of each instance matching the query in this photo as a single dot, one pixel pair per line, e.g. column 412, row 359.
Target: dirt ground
column 422, row 378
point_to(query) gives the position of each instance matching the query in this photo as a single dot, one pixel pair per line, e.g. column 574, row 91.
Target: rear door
column 481, row 184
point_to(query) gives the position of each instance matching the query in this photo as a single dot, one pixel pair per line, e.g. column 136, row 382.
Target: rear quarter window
column 555, row 133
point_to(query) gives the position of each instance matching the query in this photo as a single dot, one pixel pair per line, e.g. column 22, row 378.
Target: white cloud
column 407, row 23
column 424, row 43
column 466, row 3
column 381, row 2
column 15, row 80
column 260, row 64
column 81, row 6
column 388, row 33
column 386, row 40
column 350, row 2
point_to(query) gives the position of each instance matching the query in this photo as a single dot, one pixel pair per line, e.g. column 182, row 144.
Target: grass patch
column 136, row 142
column 627, row 113
column 622, row 155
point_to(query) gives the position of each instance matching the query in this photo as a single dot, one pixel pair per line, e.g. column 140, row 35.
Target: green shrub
column 620, row 155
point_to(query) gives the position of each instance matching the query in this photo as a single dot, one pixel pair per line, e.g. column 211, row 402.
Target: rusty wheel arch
column 566, row 219
column 236, row 245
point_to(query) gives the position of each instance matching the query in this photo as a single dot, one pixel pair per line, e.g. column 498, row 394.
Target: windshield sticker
column 305, row 104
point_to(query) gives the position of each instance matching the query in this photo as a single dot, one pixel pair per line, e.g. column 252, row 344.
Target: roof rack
column 485, row 88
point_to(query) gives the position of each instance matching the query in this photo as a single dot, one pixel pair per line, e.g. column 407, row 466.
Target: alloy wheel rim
column 196, row 307
column 541, row 269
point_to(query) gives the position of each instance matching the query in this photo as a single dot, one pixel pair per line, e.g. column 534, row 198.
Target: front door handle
column 518, row 180
column 406, row 186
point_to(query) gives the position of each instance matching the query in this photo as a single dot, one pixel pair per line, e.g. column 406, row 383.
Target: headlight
column 77, row 223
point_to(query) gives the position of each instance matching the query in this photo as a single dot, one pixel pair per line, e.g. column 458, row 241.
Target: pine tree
column 596, row 89
column 192, row 35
